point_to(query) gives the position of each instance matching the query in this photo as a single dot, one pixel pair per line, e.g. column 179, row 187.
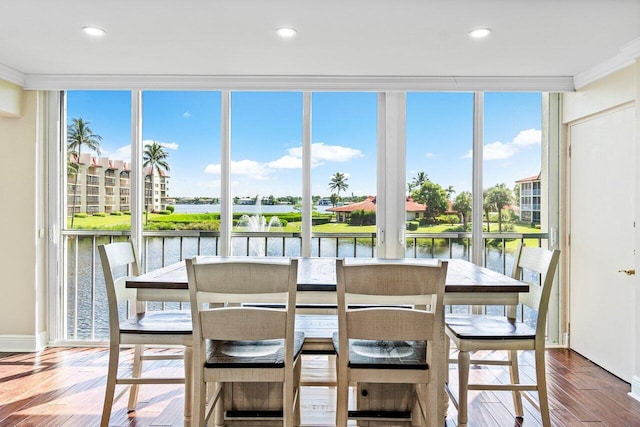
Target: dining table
column 466, row 284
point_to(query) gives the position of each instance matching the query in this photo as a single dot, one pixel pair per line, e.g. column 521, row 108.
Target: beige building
column 104, row 185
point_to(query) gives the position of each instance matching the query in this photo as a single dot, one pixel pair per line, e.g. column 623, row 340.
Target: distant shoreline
column 250, row 209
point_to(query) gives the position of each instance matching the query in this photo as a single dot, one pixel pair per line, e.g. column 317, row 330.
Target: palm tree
column 338, row 183
column 155, row 157
column 79, row 134
column 419, row 179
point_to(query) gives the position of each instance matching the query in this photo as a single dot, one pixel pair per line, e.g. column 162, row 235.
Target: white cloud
column 186, row 114
column 430, row 155
column 320, row 153
column 250, row 168
column 500, row 150
column 333, row 153
column 169, row 145
column 528, row 137
column 286, row 162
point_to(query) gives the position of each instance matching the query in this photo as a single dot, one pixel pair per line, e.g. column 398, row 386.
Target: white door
column 602, row 216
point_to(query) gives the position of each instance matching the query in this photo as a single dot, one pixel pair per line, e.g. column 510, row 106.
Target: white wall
column 602, row 97
column 22, row 287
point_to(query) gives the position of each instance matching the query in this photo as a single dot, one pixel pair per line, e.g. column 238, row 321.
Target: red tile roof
column 369, row 204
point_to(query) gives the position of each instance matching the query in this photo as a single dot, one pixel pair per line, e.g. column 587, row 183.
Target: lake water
column 249, row 209
column 87, row 310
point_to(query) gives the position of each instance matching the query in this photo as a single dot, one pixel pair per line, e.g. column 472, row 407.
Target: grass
column 123, row 222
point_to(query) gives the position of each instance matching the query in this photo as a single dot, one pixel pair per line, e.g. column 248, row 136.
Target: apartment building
column 104, row 185
column 530, row 199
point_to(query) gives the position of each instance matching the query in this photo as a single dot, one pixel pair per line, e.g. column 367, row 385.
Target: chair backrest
column 216, row 287
column 119, row 262
column 544, row 263
column 380, row 284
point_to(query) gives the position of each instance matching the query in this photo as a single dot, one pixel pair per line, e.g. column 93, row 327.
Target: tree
column 450, row 192
column 334, row 199
column 499, row 196
column 420, row 179
column 463, row 204
column 79, row 135
column 433, row 196
column 338, row 183
column 486, row 207
column 155, row 158
column 516, row 194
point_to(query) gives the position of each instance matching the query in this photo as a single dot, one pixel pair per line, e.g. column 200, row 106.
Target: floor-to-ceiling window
column 266, row 172
column 439, row 174
column 343, row 177
column 180, row 174
column 183, row 177
column 97, row 196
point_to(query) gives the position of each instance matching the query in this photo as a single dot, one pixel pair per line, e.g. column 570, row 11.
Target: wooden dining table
column 466, row 284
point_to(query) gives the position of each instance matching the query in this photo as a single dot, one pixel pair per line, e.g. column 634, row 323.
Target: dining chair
column 246, row 355
column 140, row 330
column 390, row 320
column 475, row 332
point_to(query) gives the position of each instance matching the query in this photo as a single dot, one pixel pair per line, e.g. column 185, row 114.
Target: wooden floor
column 65, row 387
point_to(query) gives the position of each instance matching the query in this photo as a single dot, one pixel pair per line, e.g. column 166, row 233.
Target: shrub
column 127, row 212
column 171, row 208
column 412, row 225
column 362, row 217
column 320, row 220
column 81, row 215
column 164, row 212
column 101, row 214
column 116, row 213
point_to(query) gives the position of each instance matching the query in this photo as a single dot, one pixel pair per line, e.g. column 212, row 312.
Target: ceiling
column 41, row 40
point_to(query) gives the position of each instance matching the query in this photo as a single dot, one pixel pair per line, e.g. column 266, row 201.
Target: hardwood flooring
column 65, row 387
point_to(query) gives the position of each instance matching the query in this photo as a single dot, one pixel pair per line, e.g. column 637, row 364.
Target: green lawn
column 123, row 222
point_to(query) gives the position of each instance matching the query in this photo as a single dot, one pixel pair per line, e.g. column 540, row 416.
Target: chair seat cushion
column 250, row 354
column 473, row 326
column 375, row 354
column 158, row 322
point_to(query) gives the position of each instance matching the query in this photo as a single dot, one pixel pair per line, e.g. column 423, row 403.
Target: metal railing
column 85, row 312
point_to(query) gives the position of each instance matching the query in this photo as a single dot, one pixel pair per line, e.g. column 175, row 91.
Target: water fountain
column 257, row 246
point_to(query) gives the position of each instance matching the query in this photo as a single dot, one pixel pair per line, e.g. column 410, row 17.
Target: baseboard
column 635, row 388
column 23, row 343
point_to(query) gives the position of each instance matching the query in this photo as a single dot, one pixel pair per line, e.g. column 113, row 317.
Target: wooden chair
column 237, row 347
column 473, row 332
column 392, row 343
column 144, row 328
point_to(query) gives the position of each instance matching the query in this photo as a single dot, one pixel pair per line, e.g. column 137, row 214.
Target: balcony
column 84, row 293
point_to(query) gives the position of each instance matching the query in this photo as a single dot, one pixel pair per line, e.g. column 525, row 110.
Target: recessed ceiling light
column 480, row 33
column 286, row 32
column 93, row 31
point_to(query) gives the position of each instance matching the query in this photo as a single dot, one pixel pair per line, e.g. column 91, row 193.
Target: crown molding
column 626, row 57
column 298, row 83
column 11, row 75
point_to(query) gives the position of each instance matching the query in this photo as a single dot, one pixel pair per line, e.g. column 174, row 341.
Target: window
column 343, row 180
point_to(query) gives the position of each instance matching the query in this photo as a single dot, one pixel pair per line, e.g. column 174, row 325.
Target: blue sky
column 266, row 135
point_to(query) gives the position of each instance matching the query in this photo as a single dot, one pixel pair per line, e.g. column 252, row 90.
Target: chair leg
column 112, row 374
column 288, row 391
column 515, row 379
column 447, row 354
column 541, row 381
column 342, row 398
column 463, row 386
column 218, row 411
column 136, row 373
column 188, row 385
